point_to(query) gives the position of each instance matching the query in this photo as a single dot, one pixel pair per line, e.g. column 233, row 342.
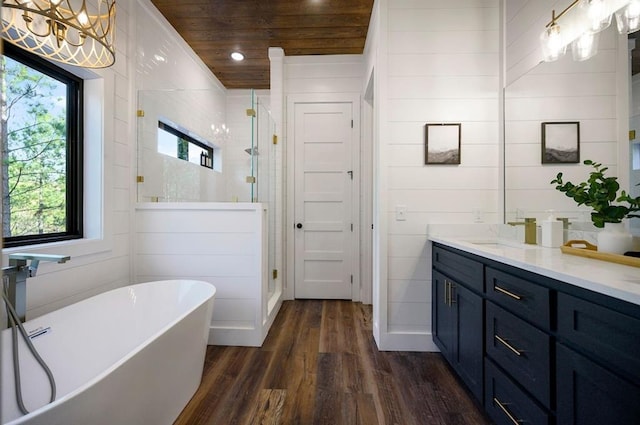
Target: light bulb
column 83, row 19
column 596, row 14
column 553, row 47
column 237, row 56
column 628, row 18
column 585, row 46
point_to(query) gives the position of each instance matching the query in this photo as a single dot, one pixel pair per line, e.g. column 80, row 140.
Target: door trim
column 289, row 221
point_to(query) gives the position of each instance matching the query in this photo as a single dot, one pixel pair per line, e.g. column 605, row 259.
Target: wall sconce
column 585, row 46
column 584, row 25
column 628, row 18
column 67, row 31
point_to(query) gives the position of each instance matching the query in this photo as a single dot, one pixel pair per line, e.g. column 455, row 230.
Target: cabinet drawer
column 460, row 268
column 506, row 403
column 522, row 297
column 588, row 394
column 605, row 334
column 522, row 350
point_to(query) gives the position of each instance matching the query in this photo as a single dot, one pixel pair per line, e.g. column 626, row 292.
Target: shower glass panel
column 192, row 148
column 181, row 138
column 263, row 153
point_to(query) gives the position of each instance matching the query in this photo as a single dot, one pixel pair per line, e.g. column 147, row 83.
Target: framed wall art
column 442, row 143
column 560, row 142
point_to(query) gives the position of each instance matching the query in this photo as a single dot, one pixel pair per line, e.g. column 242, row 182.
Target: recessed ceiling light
column 237, row 56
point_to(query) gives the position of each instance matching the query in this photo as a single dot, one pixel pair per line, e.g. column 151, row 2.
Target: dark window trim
column 75, row 152
column 181, row 135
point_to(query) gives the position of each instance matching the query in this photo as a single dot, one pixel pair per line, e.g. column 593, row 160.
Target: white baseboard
column 406, row 341
column 243, row 337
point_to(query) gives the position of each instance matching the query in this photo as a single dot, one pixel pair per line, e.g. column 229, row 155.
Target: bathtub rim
column 138, row 348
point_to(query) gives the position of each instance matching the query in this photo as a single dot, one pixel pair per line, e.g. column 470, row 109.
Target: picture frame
column 442, row 143
column 561, row 142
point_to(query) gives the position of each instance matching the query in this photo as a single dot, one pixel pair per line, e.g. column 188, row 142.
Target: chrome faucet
column 529, row 229
column 17, row 273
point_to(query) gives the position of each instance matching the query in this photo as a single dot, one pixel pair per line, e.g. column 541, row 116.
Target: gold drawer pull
column 504, row 291
column 506, row 412
column 509, row 346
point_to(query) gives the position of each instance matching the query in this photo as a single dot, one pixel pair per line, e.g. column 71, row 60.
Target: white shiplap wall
column 435, row 62
column 220, row 243
column 102, row 260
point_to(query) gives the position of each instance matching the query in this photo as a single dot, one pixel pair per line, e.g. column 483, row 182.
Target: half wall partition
column 206, row 205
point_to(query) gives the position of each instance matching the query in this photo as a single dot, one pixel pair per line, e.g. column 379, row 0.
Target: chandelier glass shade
column 74, row 32
column 581, row 27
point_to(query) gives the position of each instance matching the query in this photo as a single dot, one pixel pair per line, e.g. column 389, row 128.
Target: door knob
column 299, row 225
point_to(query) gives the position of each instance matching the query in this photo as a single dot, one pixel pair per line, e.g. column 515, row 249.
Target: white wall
column 172, row 83
column 434, row 62
column 220, row 243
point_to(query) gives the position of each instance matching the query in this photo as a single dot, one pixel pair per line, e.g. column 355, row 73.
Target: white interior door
column 323, row 192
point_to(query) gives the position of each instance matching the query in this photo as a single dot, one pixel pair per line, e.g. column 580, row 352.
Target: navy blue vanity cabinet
column 507, row 403
column 597, row 362
column 590, row 394
column 536, row 350
column 457, row 314
column 518, row 364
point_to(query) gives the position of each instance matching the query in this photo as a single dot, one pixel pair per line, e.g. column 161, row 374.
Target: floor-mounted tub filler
column 133, row 355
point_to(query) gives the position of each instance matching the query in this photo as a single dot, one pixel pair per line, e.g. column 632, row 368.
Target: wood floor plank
column 268, row 409
column 320, row 366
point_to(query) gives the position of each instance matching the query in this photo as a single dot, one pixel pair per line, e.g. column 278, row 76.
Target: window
column 177, row 144
column 41, row 151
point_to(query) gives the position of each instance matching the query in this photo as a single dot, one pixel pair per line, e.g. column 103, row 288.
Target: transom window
column 178, row 144
column 41, row 151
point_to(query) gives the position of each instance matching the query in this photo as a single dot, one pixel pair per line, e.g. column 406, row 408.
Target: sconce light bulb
column 83, row 19
column 585, row 46
column 553, row 47
column 628, row 18
column 596, row 14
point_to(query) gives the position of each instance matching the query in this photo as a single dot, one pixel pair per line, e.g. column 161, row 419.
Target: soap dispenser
column 552, row 232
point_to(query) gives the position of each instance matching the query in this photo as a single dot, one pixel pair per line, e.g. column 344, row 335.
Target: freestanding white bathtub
column 130, row 356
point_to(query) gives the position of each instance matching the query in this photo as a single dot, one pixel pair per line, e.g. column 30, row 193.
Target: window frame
column 74, row 150
column 189, row 139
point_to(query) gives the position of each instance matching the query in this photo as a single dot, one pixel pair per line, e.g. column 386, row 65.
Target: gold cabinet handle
column 507, row 293
column 509, row 346
column 506, row 411
column 446, row 292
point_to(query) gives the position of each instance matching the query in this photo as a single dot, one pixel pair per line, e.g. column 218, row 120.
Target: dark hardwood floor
column 320, row 365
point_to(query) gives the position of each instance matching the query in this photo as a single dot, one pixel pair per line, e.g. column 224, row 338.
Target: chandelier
column 67, row 31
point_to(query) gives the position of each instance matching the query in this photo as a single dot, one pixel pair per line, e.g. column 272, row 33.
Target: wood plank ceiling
column 215, row 28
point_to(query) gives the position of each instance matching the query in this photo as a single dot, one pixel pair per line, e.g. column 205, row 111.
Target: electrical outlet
column 401, row 212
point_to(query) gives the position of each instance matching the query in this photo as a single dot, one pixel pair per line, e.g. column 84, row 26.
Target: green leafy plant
column 600, row 193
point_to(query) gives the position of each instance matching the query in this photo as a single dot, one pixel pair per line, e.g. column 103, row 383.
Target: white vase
column 614, row 239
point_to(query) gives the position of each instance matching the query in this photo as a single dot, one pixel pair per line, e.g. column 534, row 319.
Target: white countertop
column 616, row 280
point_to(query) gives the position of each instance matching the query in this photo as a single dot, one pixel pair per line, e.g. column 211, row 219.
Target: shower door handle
column 299, row 225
